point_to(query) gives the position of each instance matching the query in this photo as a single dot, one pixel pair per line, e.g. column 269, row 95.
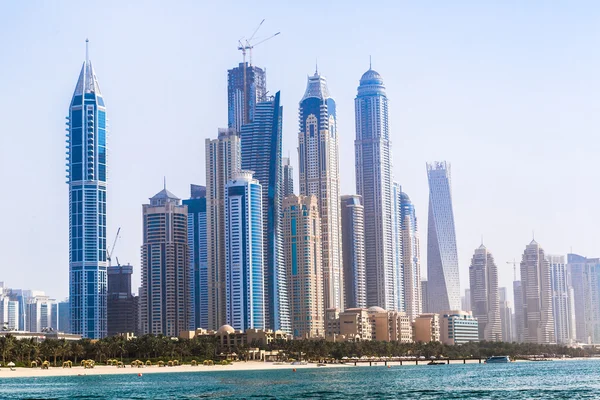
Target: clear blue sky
column 506, row 91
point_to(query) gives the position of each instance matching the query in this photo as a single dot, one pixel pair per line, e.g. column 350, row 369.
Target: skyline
column 132, row 176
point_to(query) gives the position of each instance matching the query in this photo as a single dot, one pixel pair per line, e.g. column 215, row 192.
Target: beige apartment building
column 426, row 328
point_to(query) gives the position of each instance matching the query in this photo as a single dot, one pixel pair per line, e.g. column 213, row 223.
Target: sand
column 111, row 370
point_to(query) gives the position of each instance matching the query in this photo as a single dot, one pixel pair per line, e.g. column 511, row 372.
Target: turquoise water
column 535, row 380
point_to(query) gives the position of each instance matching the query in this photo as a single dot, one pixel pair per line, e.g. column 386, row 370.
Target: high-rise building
column 197, row 243
column 261, row 153
column 246, row 86
column 485, row 299
column 353, row 251
column 167, row 277
column 424, row 297
column 411, row 258
column 39, row 314
column 64, row 317
column 9, row 313
column 245, row 283
column 374, row 184
column 304, row 266
column 506, row 315
column 398, row 270
column 465, row 301
column 319, row 176
column 86, row 176
column 536, row 287
column 584, row 278
column 442, row 256
column 562, row 303
column 288, row 177
column 223, row 159
column 123, row 306
column 518, row 330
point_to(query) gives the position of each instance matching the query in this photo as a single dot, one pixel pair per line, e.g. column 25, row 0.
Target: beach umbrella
column 11, row 364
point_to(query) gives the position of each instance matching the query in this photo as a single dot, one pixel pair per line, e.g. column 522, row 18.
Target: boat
column 498, row 360
column 436, row 363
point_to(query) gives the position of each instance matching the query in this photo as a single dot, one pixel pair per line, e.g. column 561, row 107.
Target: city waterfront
column 573, row 379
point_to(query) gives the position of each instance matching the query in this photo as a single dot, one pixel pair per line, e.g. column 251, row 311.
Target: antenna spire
column 316, row 66
column 87, row 53
column 370, row 64
column 165, row 182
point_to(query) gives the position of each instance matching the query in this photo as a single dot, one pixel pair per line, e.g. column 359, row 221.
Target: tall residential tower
column 485, row 298
column 374, row 185
column 261, row 142
column 443, row 283
column 86, row 176
column 353, row 248
column 411, row 257
column 319, row 176
column 246, row 86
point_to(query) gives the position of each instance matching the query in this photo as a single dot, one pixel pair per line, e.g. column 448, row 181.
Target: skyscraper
column 374, row 185
column 505, row 315
column 536, row 287
column 197, row 243
column 167, row 277
column 242, row 99
column 123, row 306
column 319, row 176
column 353, row 250
column 86, row 176
column 288, row 177
column 442, row 256
column 411, row 258
column 485, row 299
column 223, row 159
column 304, row 268
column 261, row 153
column 562, row 301
column 245, row 283
column 584, row 278
column 518, row 330
column 39, row 314
column 398, row 270
column 424, row 297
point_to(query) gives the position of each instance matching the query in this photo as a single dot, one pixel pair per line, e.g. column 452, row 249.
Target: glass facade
column 443, row 283
column 86, row 176
column 197, row 243
column 241, row 110
column 319, row 176
column 261, row 143
column 245, row 297
column 374, row 185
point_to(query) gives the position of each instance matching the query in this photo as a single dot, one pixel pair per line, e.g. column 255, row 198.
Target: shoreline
column 21, row 372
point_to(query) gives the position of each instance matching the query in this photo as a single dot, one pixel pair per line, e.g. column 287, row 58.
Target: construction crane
column 112, row 249
column 514, row 264
column 247, row 45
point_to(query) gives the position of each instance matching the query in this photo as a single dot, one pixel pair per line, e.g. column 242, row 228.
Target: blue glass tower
column 261, row 152
column 443, row 284
column 245, row 300
column 86, row 176
column 197, row 243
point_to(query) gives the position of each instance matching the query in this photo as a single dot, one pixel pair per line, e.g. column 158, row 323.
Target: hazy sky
column 506, row 91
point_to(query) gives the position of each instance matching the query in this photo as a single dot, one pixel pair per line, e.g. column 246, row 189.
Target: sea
column 522, row 380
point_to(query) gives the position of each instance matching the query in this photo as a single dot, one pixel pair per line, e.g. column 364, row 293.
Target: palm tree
column 7, row 343
column 77, row 350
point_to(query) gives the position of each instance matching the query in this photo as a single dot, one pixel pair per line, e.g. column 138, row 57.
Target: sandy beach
column 111, row 370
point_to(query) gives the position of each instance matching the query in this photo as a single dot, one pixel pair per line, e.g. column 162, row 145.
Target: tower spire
column 370, row 64
column 87, row 54
column 316, row 66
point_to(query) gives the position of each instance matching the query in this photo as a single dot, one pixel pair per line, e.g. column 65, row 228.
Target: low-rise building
column 426, row 328
column 374, row 323
column 458, row 327
column 229, row 339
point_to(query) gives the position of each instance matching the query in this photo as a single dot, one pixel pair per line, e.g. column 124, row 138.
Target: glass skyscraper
column 353, row 250
column 411, row 257
column 374, row 185
column 241, row 110
column 443, row 285
column 245, row 298
column 319, row 176
column 261, row 142
column 86, row 176
column 197, row 243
